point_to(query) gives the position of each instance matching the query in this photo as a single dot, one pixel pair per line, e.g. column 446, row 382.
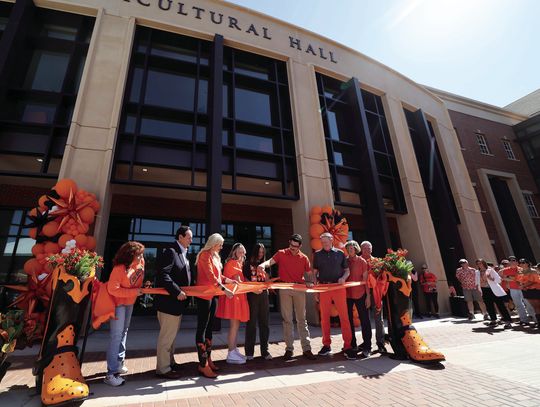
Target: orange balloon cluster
column 73, row 211
column 327, row 219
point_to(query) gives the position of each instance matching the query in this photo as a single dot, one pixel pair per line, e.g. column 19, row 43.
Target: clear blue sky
column 488, row 50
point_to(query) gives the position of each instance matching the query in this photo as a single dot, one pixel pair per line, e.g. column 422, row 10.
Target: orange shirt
column 291, row 268
column 358, row 267
column 123, row 286
column 511, row 272
column 207, row 271
column 233, row 268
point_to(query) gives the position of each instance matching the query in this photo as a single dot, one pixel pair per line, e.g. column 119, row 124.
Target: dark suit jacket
column 171, row 275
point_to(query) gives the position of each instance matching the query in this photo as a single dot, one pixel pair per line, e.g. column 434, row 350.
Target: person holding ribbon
column 124, row 286
column 293, row 267
column 258, row 306
column 235, row 309
column 173, row 273
column 209, row 269
column 330, row 266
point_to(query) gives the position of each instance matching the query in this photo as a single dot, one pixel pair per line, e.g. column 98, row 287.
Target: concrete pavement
column 485, row 367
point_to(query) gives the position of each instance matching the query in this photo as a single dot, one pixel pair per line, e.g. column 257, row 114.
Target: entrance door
column 511, row 220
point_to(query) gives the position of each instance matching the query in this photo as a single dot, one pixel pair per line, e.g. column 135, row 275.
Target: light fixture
column 145, row 170
column 39, row 160
column 266, row 183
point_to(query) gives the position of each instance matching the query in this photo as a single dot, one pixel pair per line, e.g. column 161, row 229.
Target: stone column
column 472, row 228
column 315, row 186
column 416, row 227
column 89, row 153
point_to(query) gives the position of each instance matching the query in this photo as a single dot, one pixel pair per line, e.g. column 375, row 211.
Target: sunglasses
column 294, row 246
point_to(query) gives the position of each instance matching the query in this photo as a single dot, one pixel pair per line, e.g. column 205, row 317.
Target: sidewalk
column 485, row 367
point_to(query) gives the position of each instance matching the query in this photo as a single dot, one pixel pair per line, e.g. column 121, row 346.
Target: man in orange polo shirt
column 293, row 267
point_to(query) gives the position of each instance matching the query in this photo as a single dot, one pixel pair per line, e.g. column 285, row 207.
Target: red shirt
column 358, row 267
column 291, row 268
column 372, row 278
column 511, row 272
column 428, row 280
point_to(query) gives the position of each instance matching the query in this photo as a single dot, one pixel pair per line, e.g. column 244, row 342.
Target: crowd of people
column 330, row 266
column 485, row 285
column 501, row 289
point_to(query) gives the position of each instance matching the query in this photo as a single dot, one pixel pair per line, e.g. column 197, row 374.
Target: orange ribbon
column 251, row 287
column 103, row 306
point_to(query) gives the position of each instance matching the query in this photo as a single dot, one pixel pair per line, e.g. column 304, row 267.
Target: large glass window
column 258, row 141
column 35, row 112
column 163, row 132
column 342, row 144
column 162, row 138
column 15, row 250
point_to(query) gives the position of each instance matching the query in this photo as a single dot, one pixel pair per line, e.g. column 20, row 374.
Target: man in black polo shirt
column 330, row 266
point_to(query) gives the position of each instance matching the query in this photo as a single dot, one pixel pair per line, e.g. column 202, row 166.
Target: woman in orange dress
column 236, row 309
column 208, row 274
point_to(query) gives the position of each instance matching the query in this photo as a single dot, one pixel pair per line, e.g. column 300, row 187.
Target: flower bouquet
column 394, row 262
column 79, row 263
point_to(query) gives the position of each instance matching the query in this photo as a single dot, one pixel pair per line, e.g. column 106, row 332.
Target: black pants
column 206, row 309
column 363, row 314
column 415, row 294
column 258, row 315
column 490, row 300
column 431, row 300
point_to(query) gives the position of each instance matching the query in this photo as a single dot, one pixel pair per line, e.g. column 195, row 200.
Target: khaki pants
column 290, row 301
column 169, row 325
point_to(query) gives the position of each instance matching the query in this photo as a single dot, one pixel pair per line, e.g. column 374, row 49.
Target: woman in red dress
column 236, row 308
column 208, row 274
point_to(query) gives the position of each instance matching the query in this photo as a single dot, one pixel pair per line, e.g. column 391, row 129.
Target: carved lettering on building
column 233, row 23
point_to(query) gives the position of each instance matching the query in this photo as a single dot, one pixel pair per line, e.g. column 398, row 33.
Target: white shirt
column 495, row 284
column 183, row 251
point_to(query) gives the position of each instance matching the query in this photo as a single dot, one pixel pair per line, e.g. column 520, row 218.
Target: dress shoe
column 288, row 355
column 309, row 355
column 175, row 367
column 170, row 375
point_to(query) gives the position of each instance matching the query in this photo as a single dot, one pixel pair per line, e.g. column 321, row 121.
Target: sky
column 487, row 50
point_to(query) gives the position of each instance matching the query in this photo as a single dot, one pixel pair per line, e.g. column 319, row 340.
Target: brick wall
column 467, row 126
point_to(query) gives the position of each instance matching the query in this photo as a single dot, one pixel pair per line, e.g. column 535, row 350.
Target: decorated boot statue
column 405, row 340
column 57, row 369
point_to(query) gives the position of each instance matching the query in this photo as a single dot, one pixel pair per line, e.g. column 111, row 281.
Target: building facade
column 500, row 174
column 214, row 115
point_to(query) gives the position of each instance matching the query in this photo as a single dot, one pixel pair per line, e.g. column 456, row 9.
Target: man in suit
column 172, row 274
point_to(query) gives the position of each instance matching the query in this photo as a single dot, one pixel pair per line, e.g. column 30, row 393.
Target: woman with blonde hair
column 209, row 268
column 236, row 309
